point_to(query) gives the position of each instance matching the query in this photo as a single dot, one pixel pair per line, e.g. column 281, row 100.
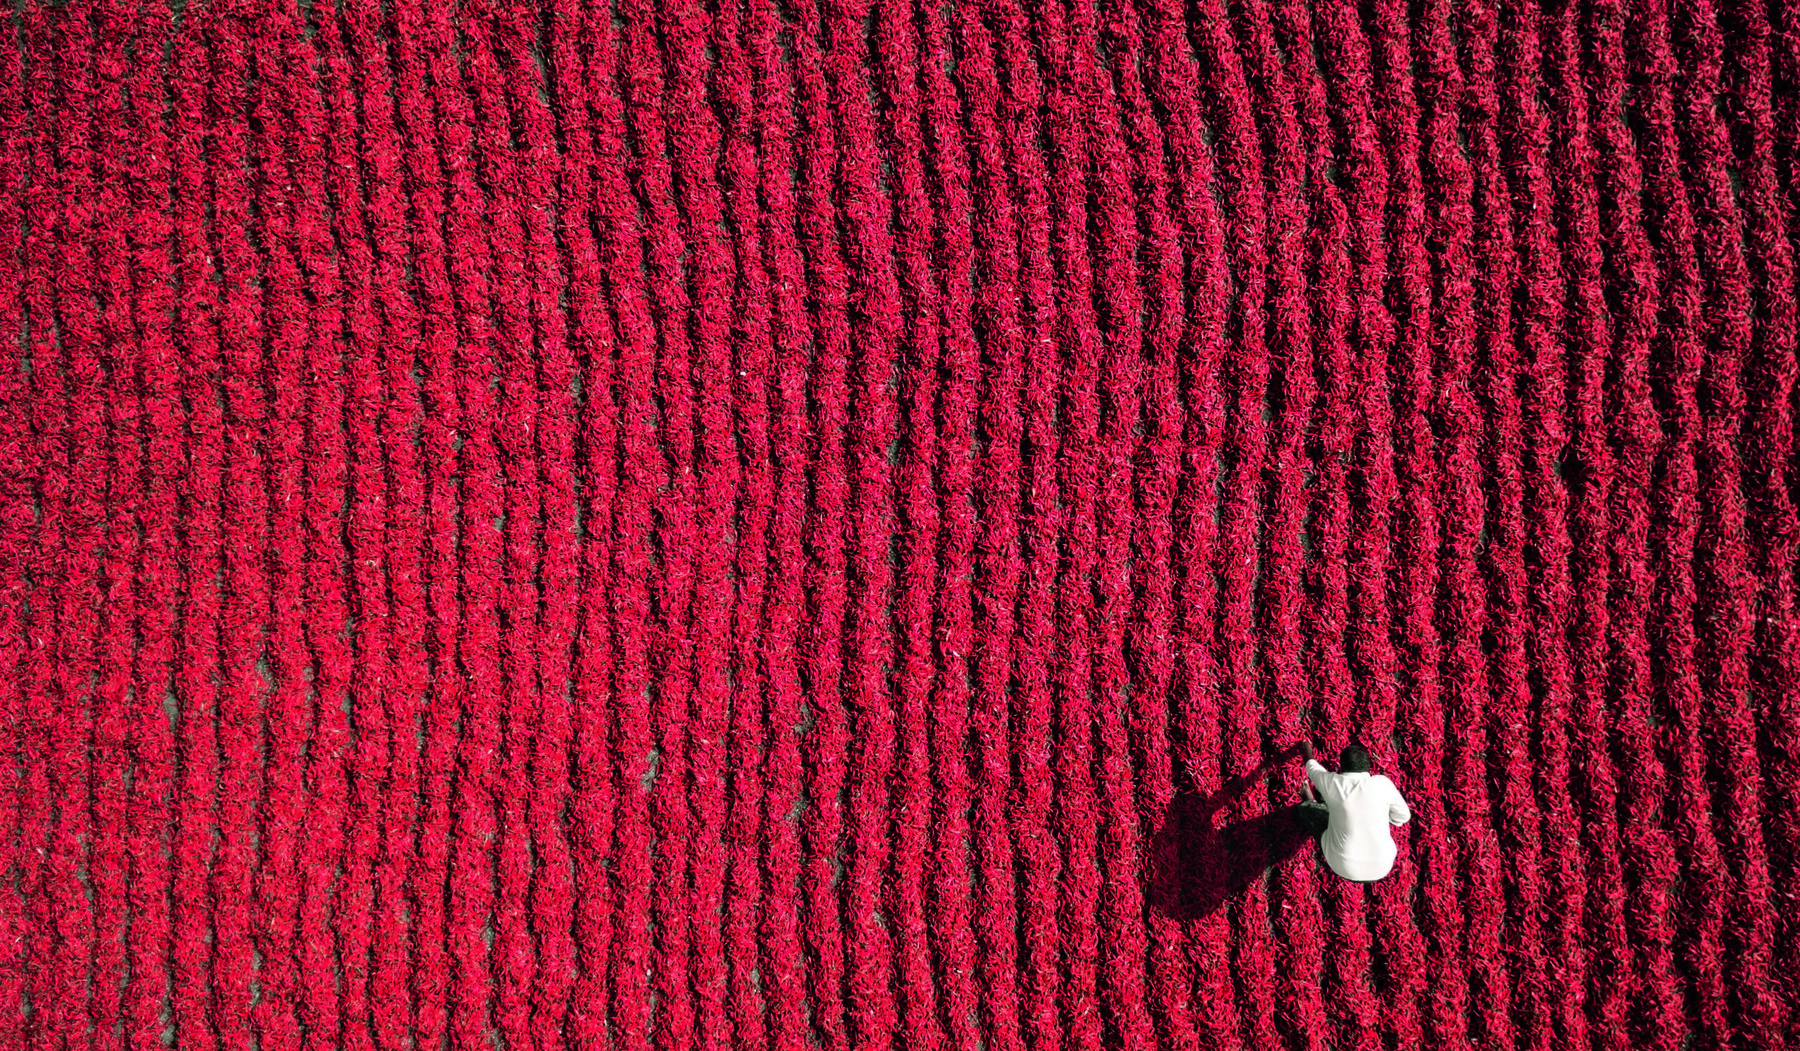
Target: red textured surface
column 773, row 525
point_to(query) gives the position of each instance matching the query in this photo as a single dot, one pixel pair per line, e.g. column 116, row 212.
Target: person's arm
column 1315, row 772
column 1398, row 813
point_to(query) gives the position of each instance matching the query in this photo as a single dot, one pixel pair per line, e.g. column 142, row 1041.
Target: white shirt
column 1357, row 842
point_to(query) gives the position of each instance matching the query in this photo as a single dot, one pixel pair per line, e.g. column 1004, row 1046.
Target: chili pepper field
column 820, row 524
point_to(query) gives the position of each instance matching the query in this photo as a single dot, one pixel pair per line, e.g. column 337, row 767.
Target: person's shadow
column 1195, row 864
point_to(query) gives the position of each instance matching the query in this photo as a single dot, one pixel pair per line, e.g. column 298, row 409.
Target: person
column 1352, row 814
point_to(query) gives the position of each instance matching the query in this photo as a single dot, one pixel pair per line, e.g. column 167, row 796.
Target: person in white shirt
column 1352, row 814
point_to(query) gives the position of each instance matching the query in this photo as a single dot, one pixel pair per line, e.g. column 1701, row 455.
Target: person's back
column 1362, row 806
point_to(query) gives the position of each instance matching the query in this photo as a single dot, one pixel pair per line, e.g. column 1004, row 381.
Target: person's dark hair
column 1354, row 759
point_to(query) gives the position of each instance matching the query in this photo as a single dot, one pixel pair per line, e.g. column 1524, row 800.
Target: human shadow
column 1195, row 864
